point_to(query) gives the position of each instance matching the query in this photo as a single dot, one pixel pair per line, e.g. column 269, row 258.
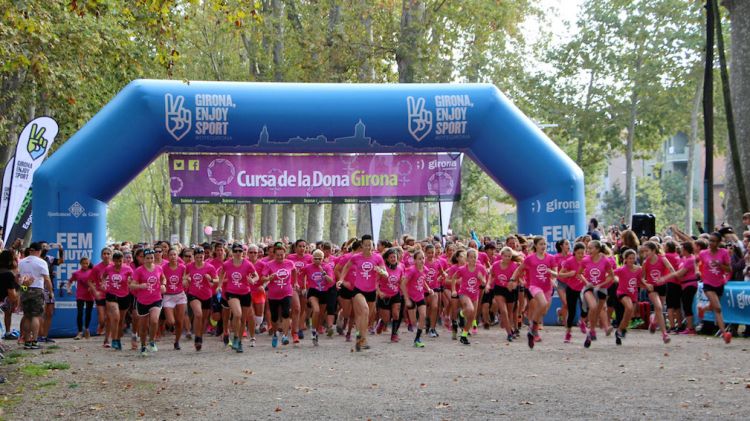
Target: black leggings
column 79, row 317
column 573, row 298
column 688, row 294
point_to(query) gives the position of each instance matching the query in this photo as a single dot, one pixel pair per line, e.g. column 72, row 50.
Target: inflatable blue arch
column 150, row 117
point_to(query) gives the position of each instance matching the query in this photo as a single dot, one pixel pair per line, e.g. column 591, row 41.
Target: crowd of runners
column 300, row 291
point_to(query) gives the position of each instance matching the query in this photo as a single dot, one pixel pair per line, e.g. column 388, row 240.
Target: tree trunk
column 314, row 223
column 278, row 42
column 422, row 221
column 629, row 187
column 364, row 224
column 739, row 13
column 339, row 223
column 196, row 233
column 691, row 164
column 581, row 139
column 182, row 225
column 288, row 222
column 397, row 225
column 250, row 223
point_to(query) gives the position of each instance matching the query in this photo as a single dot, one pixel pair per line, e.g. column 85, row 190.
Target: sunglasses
column 252, row 252
column 236, row 251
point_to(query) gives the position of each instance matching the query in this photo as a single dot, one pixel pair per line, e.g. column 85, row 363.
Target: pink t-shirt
column 560, row 258
column 433, row 271
column 572, row 281
column 469, row 282
column 315, row 276
column 98, row 280
column 81, row 278
column 538, row 271
column 654, row 271
column 174, row 278
column 152, row 293
column 236, row 278
column 117, row 280
column 674, row 260
column 711, row 271
column 500, row 276
column 415, row 281
column 391, row 285
column 258, row 265
column 689, row 279
column 342, row 261
column 407, row 260
column 365, row 275
column 628, row 281
column 299, row 263
column 201, row 279
column 596, row 272
column 483, row 258
column 282, row 274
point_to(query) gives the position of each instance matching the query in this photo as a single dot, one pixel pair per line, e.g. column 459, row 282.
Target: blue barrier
column 735, row 303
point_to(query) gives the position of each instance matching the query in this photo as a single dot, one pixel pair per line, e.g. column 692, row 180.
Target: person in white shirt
column 34, row 274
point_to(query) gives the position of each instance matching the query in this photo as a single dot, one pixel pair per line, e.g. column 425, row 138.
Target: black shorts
column 621, row 296
column 487, row 297
column 216, row 304
column 527, row 293
column 101, row 303
column 224, row 302
column 718, row 290
column 415, row 304
column 612, row 295
column 674, row 296
column 388, row 302
column 504, row 292
column 245, row 299
column 280, row 309
column 661, row 289
column 123, row 303
column 345, row 293
column 327, row 298
column 439, row 289
column 205, row 304
column 145, row 309
column 369, row 296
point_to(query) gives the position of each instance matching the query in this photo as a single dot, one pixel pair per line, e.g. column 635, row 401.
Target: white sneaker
column 252, row 342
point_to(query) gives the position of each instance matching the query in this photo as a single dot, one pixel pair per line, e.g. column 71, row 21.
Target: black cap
column 35, row 246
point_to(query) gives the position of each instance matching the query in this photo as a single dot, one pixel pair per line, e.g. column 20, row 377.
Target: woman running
column 148, row 283
column 655, row 267
column 320, row 291
column 389, row 293
column 596, row 272
column 715, row 266
column 99, row 282
column 413, row 287
column 238, row 275
column 563, row 253
column 628, row 276
column 501, row 282
column 568, row 274
column 674, row 288
column 85, row 293
column 363, row 266
column 345, row 291
column 435, row 272
column 175, row 300
column 458, row 260
column 300, row 258
column 539, row 269
column 470, row 279
column 199, row 281
column 687, row 272
column 279, row 275
column 119, row 300
column 257, row 292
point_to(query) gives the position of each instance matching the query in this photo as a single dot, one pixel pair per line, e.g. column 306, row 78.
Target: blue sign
column 735, row 303
column 150, row 117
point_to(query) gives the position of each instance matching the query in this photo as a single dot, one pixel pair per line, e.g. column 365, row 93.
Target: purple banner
column 312, row 179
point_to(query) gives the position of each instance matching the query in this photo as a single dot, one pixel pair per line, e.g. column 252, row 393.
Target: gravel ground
column 691, row 378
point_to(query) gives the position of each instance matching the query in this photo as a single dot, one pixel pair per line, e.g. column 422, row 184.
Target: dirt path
column 691, row 378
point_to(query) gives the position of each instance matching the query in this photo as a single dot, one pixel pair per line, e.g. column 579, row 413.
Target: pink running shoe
column 582, row 325
column 687, row 332
column 568, row 336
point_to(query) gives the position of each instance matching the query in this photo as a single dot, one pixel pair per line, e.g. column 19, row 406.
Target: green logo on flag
column 37, row 144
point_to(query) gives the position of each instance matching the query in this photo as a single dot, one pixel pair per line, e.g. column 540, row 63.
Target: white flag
column 5, row 193
column 33, row 146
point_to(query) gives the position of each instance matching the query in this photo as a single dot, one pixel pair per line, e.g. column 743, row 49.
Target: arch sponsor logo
column 178, row 119
column 552, row 206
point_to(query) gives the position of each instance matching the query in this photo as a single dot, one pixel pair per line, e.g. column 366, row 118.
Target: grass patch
column 34, row 370
column 53, row 347
column 38, row 370
column 49, row 383
column 73, row 385
column 47, row 352
column 56, row 365
column 12, row 357
column 14, row 354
